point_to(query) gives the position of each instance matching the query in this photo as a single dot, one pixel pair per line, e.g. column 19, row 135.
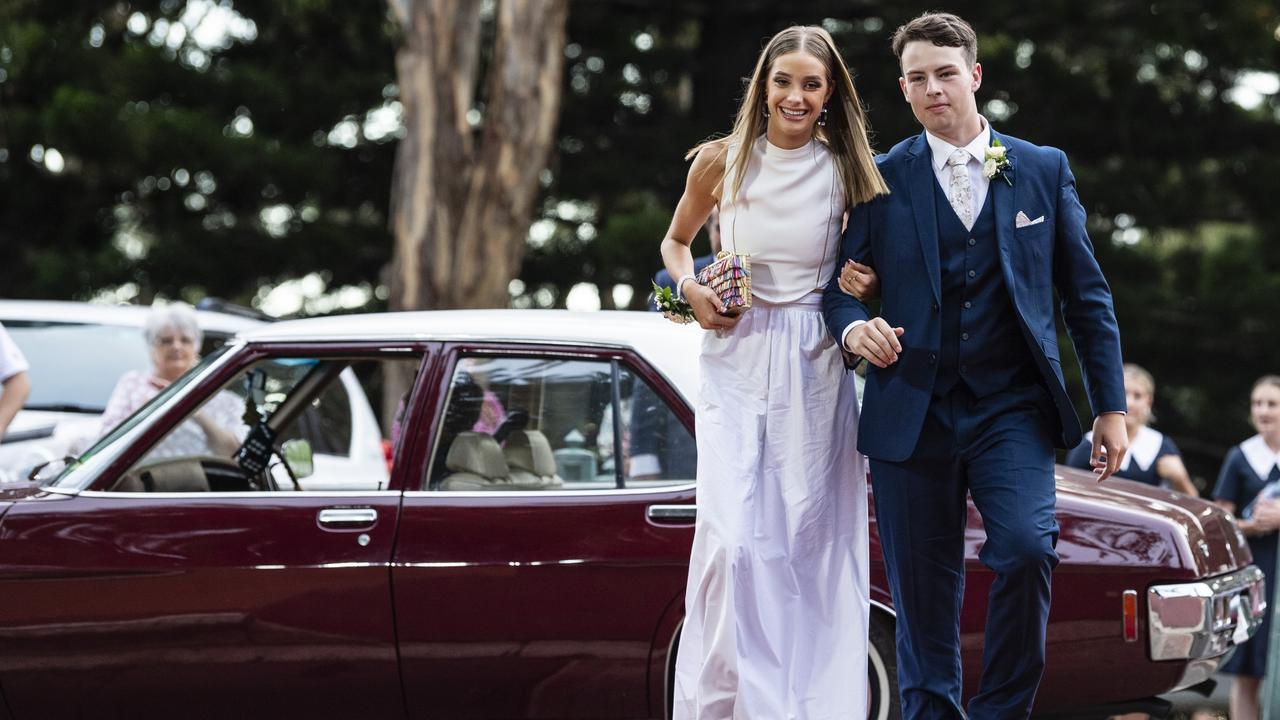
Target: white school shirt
column 12, row 361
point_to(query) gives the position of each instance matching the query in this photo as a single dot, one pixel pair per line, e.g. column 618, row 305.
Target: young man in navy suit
column 964, row 392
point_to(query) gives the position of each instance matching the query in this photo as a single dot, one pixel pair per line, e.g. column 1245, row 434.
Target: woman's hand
column 221, row 441
column 1170, row 468
column 859, row 281
column 1266, row 516
column 707, row 308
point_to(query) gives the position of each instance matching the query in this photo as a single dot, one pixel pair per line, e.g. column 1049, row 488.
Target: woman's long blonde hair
column 845, row 132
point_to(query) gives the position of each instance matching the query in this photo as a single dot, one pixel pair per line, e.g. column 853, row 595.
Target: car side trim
column 244, row 494
column 609, row 491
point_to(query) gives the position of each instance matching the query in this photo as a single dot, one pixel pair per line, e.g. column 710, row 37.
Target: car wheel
column 882, row 670
column 671, row 674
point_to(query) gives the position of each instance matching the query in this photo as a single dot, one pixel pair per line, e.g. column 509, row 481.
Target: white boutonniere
column 996, row 161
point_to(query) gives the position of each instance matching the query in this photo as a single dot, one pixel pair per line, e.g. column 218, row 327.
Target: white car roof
column 671, row 348
column 122, row 315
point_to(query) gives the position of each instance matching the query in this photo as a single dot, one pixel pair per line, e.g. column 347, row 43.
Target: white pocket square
column 1021, row 220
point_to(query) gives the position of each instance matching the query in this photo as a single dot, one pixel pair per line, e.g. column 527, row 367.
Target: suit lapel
column 924, row 209
column 1005, row 198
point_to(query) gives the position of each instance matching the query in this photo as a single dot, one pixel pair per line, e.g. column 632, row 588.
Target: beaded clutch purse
column 729, row 277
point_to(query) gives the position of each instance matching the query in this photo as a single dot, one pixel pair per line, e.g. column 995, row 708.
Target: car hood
column 14, row 491
column 11, row 492
column 33, row 424
column 1206, row 538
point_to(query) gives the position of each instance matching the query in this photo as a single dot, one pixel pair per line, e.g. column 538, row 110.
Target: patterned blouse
column 136, row 389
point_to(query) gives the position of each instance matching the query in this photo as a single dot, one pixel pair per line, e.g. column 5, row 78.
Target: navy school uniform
column 1139, row 463
column 1249, row 467
column 664, row 279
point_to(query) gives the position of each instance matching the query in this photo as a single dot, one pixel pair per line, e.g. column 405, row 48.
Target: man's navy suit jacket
column 897, row 234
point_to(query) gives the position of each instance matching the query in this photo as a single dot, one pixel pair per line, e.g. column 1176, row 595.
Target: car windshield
column 68, row 475
column 75, row 366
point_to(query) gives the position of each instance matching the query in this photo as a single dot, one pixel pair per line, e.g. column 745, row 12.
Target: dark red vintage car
column 524, row 558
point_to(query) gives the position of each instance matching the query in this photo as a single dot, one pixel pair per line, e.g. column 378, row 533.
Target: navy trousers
column 998, row 450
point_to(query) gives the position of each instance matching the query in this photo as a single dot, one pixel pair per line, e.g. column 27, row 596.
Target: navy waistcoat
column 982, row 344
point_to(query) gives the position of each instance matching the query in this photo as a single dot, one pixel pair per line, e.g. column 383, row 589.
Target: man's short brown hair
column 941, row 29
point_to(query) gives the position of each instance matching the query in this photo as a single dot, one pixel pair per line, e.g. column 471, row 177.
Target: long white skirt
column 777, row 605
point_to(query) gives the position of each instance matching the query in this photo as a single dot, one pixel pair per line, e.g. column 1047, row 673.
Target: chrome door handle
column 668, row 513
column 348, row 518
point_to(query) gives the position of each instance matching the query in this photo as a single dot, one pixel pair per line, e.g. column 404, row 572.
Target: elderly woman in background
column 1152, row 458
column 173, row 337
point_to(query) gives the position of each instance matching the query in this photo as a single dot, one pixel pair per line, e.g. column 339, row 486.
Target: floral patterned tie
column 959, row 190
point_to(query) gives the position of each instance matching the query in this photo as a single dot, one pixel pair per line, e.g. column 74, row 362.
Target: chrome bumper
column 1205, row 619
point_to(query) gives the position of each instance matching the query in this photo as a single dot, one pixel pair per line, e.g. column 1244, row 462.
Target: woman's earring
column 822, row 117
column 764, row 111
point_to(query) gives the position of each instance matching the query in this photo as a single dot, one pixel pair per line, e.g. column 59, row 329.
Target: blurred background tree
column 190, row 148
column 187, row 147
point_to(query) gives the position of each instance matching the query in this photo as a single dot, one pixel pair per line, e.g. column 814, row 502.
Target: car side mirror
column 299, row 457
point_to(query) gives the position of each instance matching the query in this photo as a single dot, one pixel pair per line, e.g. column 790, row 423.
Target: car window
column 325, row 423
column 283, row 423
column 71, row 475
column 65, row 377
column 661, row 450
column 550, row 423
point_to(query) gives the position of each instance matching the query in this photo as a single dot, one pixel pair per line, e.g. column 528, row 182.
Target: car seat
column 475, row 462
column 533, row 467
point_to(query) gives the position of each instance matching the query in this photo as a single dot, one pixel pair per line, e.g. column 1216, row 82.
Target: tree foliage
column 188, row 164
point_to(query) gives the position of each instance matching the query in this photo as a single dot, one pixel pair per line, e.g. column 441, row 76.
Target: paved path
column 1187, row 704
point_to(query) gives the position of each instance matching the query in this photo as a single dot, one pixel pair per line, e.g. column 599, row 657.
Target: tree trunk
column 462, row 195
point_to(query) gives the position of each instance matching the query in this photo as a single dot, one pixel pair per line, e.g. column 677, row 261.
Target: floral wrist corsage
column 675, row 309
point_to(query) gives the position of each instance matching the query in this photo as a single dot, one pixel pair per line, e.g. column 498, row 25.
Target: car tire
column 882, row 670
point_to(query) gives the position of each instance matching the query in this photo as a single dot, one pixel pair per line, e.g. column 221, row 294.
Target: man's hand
column 876, row 341
column 707, row 307
column 859, row 281
column 1110, row 442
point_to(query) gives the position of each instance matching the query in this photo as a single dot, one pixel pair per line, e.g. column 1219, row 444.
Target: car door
column 179, row 588
column 542, row 560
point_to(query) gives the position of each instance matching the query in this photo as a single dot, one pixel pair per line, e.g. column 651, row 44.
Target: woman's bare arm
column 701, row 193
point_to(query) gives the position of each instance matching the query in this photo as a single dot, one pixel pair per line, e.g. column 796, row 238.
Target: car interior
column 291, row 419
column 538, row 424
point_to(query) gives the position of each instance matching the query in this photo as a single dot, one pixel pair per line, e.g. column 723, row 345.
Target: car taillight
column 1129, row 601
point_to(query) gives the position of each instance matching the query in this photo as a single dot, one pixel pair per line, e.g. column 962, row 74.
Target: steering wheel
column 178, row 474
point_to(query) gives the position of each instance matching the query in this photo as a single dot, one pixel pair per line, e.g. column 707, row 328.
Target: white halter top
column 787, row 215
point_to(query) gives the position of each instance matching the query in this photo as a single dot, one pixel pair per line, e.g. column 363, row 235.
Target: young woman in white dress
column 776, row 608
